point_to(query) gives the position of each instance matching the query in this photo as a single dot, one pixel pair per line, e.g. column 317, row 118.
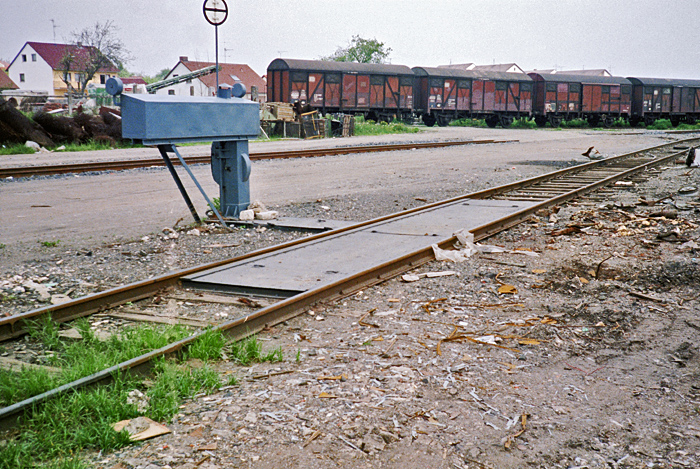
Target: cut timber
column 221, row 299
column 15, row 127
column 10, row 364
column 159, row 319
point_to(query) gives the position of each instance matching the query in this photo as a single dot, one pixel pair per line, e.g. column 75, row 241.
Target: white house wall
column 38, row 75
column 185, row 89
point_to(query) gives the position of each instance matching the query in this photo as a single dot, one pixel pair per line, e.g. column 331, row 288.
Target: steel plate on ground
column 301, row 268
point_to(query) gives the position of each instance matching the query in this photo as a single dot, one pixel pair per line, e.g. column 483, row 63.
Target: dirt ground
column 579, row 351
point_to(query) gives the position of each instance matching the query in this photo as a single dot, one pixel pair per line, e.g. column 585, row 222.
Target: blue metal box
column 159, row 119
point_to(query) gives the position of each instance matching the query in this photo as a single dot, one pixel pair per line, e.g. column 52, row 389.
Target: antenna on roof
column 53, row 23
column 280, row 52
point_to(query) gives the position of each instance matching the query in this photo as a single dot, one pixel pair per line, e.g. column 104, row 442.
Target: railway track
column 536, row 193
column 120, row 165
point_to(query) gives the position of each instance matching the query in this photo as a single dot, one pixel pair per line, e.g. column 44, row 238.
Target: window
column 21, row 77
column 103, row 79
column 626, row 89
column 171, row 92
column 667, row 90
column 405, row 81
column 525, row 87
column 551, row 87
column 436, row 82
column 464, row 84
column 191, row 90
column 605, row 89
column 24, row 57
column 33, row 57
column 66, row 76
column 376, row 79
column 333, row 78
column 501, row 85
column 575, row 88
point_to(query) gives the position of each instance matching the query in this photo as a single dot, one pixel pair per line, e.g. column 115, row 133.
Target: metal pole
column 216, row 39
column 173, row 148
column 164, row 153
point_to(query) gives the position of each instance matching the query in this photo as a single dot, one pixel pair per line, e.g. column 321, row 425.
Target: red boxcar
column 444, row 94
column 378, row 91
column 564, row 97
column 662, row 98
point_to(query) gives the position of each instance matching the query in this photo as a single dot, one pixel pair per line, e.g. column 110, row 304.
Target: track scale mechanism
column 228, row 121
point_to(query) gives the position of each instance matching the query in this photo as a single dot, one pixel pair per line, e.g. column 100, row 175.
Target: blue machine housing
column 165, row 119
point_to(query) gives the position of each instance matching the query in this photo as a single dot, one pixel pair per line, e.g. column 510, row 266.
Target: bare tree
column 93, row 49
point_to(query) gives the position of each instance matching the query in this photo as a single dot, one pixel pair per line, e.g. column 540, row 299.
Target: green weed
column 466, row 122
column 2, row 246
column 661, row 124
column 173, row 383
column 208, row 346
column 50, row 244
column 370, row 128
column 523, row 123
column 298, row 358
column 249, row 350
column 273, row 356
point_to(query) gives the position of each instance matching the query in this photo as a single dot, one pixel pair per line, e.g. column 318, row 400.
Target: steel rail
column 52, row 170
column 293, row 306
column 15, row 325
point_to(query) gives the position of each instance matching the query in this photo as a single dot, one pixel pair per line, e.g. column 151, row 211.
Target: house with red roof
column 6, row 82
column 40, row 66
column 229, row 74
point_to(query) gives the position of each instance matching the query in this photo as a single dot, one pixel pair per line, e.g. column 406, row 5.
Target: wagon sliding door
column 316, row 89
column 333, row 90
column 299, row 83
column 349, row 91
column 478, row 96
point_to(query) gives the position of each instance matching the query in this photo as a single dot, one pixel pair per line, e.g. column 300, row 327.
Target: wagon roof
column 584, row 79
column 330, row 66
column 664, row 82
column 469, row 74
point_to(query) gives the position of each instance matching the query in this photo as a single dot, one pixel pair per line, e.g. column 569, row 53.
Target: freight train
column 382, row 92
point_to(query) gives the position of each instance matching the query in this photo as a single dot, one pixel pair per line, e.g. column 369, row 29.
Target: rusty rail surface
column 613, row 169
column 120, row 165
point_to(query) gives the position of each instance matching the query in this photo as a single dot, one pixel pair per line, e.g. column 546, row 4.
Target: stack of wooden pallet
column 281, row 111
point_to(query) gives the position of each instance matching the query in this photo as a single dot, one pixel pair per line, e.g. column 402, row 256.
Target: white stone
column 247, row 215
column 32, row 145
column 269, row 215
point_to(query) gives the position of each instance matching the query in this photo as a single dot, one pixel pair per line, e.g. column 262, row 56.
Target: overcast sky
column 652, row 38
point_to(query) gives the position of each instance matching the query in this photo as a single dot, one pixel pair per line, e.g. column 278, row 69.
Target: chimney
column 183, row 58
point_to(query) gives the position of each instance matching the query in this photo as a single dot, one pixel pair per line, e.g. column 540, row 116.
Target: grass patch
column 59, row 429
column 249, row 350
column 92, row 145
column 523, row 123
column 466, row 122
column 173, row 383
column 661, row 124
column 17, row 149
column 363, row 127
column 78, row 359
column 209, row 346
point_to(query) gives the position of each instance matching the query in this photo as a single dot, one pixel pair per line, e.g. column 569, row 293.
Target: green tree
column 361, row 50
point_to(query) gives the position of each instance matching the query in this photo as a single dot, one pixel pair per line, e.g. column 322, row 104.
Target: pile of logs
column 49, row 130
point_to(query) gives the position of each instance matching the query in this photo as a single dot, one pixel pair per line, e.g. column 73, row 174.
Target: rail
column 578, row 180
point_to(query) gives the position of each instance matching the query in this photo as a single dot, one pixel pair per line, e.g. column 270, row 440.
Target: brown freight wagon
column 663, row 98
column 378, row 91
column 444, row 94
column 594, row 98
